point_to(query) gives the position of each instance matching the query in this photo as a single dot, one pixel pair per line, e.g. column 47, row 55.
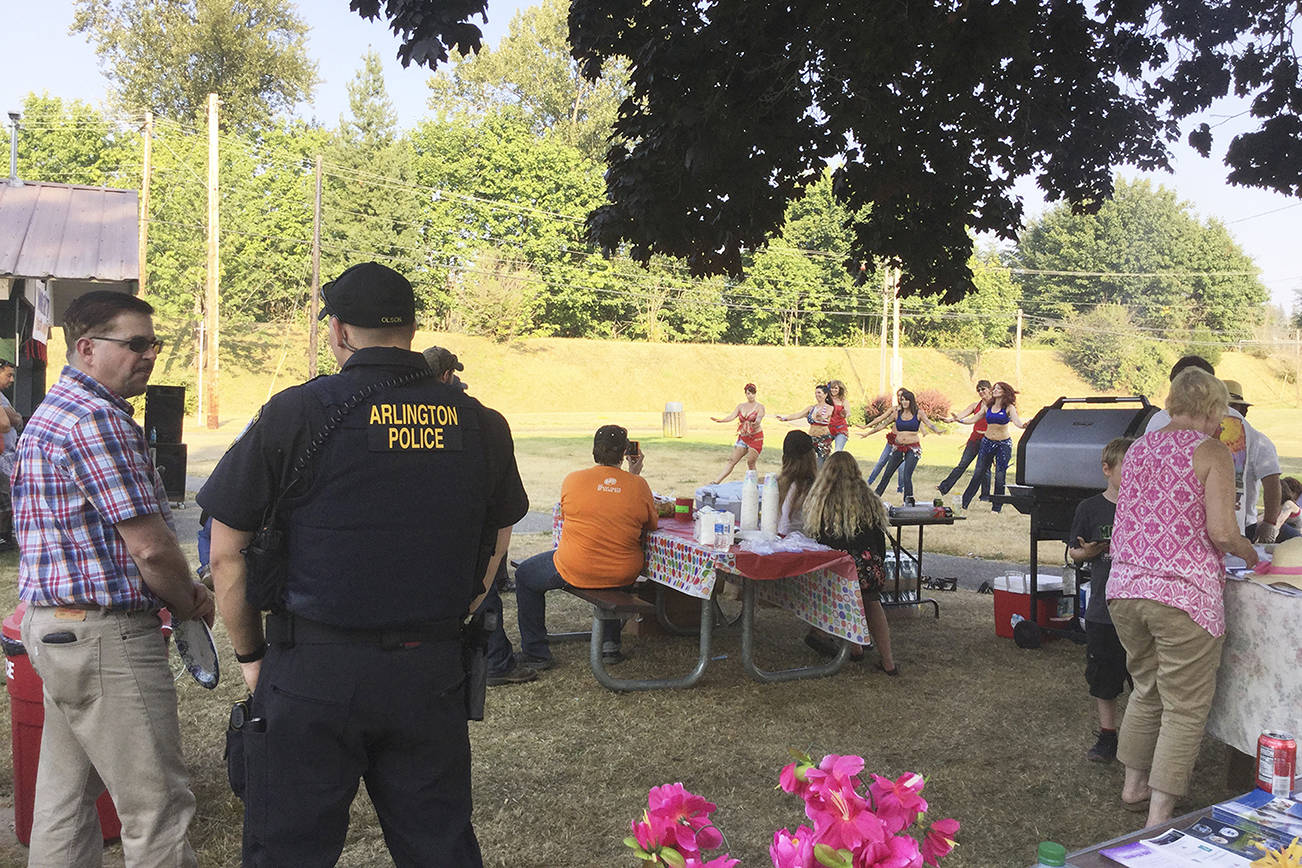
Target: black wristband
column 253, row 656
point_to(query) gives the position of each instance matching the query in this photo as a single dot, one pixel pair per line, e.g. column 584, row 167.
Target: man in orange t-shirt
column 606, row 511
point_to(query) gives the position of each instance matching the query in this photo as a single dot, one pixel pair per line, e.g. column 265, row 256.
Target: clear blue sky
column 41, row 56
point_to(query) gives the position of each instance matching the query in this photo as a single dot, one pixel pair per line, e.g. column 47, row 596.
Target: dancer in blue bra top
column 996, row 446
column 907, row 422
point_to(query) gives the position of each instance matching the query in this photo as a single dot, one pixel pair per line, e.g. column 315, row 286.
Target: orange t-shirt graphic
column 605, row 510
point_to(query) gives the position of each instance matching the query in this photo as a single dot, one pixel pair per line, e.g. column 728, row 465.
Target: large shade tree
column 736, row 106
column 168, row 55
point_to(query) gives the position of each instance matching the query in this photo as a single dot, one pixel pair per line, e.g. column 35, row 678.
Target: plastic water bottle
column 1050, row 855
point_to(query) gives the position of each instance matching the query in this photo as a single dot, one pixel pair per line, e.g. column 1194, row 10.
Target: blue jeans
column 997, row 452
column 905, row 460
column 881, row 462
column 533, row 579
column 840, row 441
column 969, row 453
column 500, row 655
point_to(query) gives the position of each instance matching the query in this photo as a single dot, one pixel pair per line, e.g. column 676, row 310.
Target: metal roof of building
column 68, row 232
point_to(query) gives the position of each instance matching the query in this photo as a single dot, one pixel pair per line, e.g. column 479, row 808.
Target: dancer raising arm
column 818, row 415
column 872, row 428
column 997, row 445
column 976, row 409
column 750, row 433
column 839, row 424
column 908, row 422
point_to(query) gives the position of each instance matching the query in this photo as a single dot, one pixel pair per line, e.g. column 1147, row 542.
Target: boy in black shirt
column 1090, row 542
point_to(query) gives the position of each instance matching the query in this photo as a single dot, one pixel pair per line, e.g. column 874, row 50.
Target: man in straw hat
column 1255, row 458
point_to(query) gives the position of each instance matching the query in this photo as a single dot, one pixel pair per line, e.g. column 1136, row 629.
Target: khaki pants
column 1173, row 662
column 110, row 722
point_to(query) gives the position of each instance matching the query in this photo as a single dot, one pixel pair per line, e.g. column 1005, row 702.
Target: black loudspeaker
column 164, row 413
column 169, row 458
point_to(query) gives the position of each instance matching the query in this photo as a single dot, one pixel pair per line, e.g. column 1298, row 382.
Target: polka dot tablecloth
column 822, row 588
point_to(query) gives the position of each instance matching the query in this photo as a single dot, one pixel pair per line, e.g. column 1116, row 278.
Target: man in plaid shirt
column 98, row 558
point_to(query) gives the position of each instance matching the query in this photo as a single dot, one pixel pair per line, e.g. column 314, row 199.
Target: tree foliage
column 531, row 75
column 935, row 108
column 1111, row 353
column 1143, row 249
column 168, row 55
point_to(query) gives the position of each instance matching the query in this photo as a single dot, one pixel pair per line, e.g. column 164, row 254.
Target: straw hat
column 1235, row 388
column 1284, row 567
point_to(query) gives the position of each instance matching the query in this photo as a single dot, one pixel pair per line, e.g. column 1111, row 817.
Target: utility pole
column 886, row 295
column 897, row 365
column 315, row 306
column 1018, row 345
column 144, row 202
column 211, row 317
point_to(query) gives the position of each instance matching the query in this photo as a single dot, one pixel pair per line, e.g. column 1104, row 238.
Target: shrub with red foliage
column 932, row 401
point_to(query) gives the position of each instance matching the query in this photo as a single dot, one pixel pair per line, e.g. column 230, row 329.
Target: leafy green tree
column 1145, row 250
column 496, row 297
column 980, row 321
column 168, row 55
column 781, row 301
column 1110, row 353
column 493, row 183
column 938, row 109
column 371, row 208
column 71, row 142
column 531, row 75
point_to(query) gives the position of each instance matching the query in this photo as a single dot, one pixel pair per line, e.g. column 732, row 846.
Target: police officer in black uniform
column 359, row 673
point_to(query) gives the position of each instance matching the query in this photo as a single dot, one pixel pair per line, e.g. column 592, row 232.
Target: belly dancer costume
column 749, row 432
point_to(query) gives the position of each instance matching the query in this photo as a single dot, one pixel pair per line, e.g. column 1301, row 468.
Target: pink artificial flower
column 898, row 802
column 792, row 779
column 939, row 840
column 645, row 834
column 685, row 818
column 842, row 819
column 793, row 850
column 835, row 772
column 724, row 861
column 897, row 851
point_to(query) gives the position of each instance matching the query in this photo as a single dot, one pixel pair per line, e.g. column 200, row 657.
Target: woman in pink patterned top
column 1175, row 518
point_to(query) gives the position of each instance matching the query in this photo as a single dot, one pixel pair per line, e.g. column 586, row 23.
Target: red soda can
column 1276, row 763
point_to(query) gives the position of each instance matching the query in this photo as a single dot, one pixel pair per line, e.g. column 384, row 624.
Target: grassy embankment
column 555, row 392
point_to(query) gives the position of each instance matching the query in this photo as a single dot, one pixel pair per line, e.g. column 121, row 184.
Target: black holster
column 474, row 656
column 266, row 559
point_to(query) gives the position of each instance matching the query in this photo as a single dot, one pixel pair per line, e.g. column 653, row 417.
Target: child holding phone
column 1090, row 541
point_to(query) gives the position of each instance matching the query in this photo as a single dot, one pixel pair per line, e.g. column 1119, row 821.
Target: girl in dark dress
column 841, row 511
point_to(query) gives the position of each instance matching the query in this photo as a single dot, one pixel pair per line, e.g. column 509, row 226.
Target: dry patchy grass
column 562, row 765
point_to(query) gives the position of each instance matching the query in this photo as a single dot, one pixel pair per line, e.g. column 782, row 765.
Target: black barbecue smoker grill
column 1059, row 463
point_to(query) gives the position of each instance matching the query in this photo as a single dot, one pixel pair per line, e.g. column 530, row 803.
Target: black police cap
column 370, row 295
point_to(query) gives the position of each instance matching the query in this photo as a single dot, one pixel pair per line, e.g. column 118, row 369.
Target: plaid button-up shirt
column 83, row 466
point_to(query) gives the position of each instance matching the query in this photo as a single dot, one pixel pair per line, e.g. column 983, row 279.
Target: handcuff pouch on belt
column 266, row 557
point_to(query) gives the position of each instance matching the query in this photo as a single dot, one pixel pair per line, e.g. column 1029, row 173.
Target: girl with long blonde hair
column 842, row 512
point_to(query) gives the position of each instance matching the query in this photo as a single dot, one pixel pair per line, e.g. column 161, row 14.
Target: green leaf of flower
column 670, row 856
column 833, row 858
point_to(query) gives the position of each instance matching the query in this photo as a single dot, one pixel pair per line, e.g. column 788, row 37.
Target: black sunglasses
column 138, row 344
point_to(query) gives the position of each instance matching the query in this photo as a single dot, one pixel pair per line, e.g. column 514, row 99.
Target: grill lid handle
column 1102, row 399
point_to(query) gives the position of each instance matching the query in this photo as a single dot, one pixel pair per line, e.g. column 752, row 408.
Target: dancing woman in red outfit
column 750, row 433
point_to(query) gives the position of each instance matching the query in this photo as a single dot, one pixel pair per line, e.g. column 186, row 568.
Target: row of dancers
column 990, row 444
